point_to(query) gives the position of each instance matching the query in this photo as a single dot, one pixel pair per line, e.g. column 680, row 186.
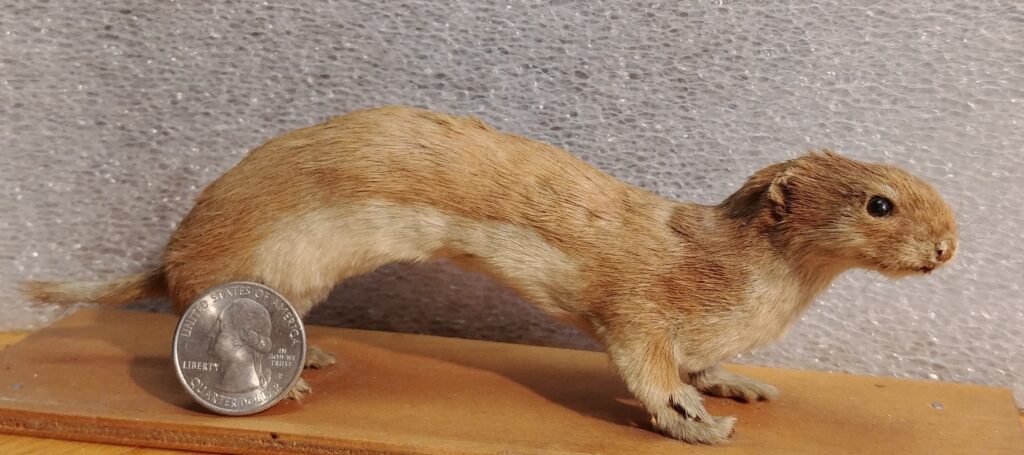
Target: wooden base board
column 106, row 376
column 28, row 445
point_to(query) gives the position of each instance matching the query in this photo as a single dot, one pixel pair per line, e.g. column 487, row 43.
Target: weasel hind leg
column 308, row 255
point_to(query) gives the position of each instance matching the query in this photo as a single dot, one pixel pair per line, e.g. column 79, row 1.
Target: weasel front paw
column 715, row 431
column 685, row 418
column 720, row 383
column 742, row 391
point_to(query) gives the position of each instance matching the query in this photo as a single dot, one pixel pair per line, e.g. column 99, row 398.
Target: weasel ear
column 766, row 189
column 778, row 193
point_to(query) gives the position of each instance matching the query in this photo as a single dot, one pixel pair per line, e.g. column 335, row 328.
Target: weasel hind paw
column 318, row 358
column 300, row 390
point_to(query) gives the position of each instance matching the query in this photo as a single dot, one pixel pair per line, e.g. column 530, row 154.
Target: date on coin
column 239, row 348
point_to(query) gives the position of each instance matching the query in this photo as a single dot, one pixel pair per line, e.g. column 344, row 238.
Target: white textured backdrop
column 114, row 116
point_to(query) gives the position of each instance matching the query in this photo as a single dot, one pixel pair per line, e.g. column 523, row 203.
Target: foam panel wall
column 114, row 115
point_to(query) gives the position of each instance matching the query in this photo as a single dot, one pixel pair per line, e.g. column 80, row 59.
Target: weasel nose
column 944, row 250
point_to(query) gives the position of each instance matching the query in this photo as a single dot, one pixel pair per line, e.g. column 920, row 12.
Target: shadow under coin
column 156, row 376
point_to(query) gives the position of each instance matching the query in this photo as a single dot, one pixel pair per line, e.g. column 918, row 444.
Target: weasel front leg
column 650, row 370
column 718, row 382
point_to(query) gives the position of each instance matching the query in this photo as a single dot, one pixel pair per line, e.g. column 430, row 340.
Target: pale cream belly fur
column 308, row 254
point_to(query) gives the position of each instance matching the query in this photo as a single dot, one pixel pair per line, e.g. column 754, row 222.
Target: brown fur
column 670, row 288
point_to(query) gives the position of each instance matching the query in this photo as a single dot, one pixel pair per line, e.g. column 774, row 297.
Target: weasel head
column 838, row 211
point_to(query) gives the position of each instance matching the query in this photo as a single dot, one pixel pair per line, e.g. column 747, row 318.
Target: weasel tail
column 119, row 291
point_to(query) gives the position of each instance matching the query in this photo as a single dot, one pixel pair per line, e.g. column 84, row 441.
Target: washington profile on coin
column 239, row 348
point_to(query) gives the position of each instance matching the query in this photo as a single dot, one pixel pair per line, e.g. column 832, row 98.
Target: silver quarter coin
column 239, row 348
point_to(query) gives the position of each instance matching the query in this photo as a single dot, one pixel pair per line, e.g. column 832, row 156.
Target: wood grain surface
column 105, row 376
column 18, row 445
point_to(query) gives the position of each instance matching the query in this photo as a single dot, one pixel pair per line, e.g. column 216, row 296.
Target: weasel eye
column 879, row 206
